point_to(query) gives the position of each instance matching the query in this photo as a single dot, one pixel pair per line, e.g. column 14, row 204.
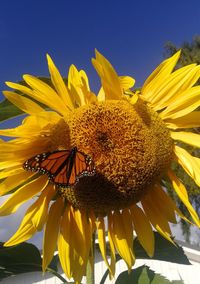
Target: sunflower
column 132, row 138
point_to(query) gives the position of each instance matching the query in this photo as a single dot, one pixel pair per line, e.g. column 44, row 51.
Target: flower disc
column 131, row 148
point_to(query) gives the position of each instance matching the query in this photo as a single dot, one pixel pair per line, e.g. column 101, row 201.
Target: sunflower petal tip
column 177, row 54
column 9, row 243
column 9, row 84
column 48, row 57
column 93, row 60
column 25, row 76
column 73, row 66
column 96, row 51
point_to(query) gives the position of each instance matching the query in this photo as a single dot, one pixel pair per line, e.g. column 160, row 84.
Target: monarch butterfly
column 63, row 167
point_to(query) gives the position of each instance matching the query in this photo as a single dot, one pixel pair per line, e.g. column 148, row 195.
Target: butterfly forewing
column 80, row 163
column 63, row 167
column 64, row 175
column 54, row 161
column 61, row 177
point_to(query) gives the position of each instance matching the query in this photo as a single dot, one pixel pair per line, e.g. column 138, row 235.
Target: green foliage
column 8, row 110
column 24, row 258
column 190, row 51
column 164, row 251
column 19, row 259
column 143, row 275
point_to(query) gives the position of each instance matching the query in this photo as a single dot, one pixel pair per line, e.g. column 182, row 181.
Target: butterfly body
column 64, row 168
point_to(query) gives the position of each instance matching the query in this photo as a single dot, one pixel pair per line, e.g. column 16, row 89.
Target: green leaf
column 164, row 250
column 8, row 110
column 23, row 258
column 143, row 275
column 19, row 259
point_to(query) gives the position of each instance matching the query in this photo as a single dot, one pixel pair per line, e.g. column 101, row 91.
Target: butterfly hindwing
column 63, row 167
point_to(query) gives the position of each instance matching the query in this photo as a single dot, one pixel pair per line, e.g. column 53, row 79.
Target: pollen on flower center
column 131, row 149
column 104, row 140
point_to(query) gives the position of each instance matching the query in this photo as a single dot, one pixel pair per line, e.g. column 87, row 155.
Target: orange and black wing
column 83, row 165
column 63, row 167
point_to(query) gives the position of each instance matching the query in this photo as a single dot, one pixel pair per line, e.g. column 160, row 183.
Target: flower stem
column 90, row 271
column 64, row 281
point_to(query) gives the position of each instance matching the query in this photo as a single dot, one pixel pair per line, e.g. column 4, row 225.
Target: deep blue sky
column 131, row 34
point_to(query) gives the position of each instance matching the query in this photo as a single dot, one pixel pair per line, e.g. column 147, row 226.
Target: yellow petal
column 166, row 215
column 109, row 78
column 74, row 242
column 101, row 95
column 43, row 93
column 23, row 89
column 126, row 82
column 74, row 83
column 82, row 243
column 102, row 241
column 112, row 250
column 159, row 76
column 9, row 164
column 23, row 194
column 187, row 137
column 31, row 125
column 175, row 84
column 181, row 192
column 191, row 120
column 122, row 233
column 11, row 171
column 23, row 103
column 189, row 163
column 51, row 232
column 90, row 97
column 41, row 120
column 45, row 98
column 33, row 220
column 78, row 85
column 25, row 234
column 133, row 100
column 59, row 84
column 143, row 229
column 188, row 101
column 43, row 201
column 84, row 78
column 11, row 182
column 19, row 153
column 64, row 243
column 156, row 218
column 159, row 197
column 186, row 83
column 18, row 132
